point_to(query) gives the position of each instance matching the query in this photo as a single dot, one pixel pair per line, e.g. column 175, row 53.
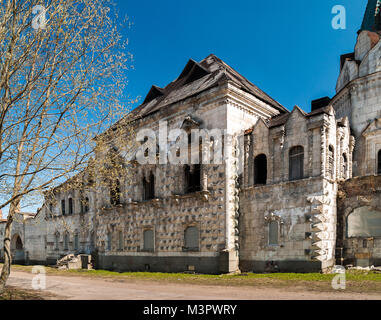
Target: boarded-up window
column 71, row 206
column 57, row 240
column 296, row 163
column 66, row 242
column 192, row 239
column 260, row 169
column 109, row 239
column 379, row 162
column 148, row 240
column 331, row 163
column 63, row 207
column 364, row 222
column 121, row 240
column 76, row 242
column 273, row 233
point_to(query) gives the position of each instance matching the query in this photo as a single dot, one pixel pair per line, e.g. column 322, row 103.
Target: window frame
column 298, row 155
column 257, row 167
column 192, row 249
column 277, row 234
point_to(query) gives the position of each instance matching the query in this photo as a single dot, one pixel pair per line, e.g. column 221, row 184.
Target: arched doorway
column 17, row 249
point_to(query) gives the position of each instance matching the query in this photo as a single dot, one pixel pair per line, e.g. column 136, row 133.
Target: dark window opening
column 296, row 163
column 109, row 240
column 260, row 169
column 63, row 207
column 115, row 193
column 149, row 187
column 87, row 204
column 379, row 163
column 192, row 178
column 345, row 167
column 19, row 245
column 71, row 206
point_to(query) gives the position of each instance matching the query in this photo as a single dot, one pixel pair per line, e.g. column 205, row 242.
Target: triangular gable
column 372, row 127
column 154, row 93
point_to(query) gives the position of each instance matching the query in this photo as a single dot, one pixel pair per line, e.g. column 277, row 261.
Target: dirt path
column 81, row 288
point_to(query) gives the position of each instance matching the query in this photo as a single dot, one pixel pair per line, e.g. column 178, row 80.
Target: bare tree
column 62, row 77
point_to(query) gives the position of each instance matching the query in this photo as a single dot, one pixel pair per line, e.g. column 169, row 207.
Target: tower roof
column 372, row 17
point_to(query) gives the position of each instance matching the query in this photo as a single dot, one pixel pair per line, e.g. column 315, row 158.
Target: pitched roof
column 196, row 78
column 282, row 119
column 372, row 16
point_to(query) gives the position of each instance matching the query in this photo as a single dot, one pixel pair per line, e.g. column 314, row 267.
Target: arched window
column 148, row 238
column 344, row 170
column 71, row 206
column 260, row 169
column 191, row 239
column 331, row 163
column 379, row 162
column 115, row 192
column 296, row 169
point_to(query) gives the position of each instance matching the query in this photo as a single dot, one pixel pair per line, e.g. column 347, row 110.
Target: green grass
column 18, row 294
column 357, row 281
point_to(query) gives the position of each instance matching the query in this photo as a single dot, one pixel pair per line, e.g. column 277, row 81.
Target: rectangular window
column 71, row 206
column 296, row 163
column 109, row 239
column 121, row 242
column 273, row 233
column 192, row 239
column 63, row 207
column 76, row 242
column 148, row 241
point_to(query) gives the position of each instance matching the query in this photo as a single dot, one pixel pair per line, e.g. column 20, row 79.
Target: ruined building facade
column 295, row 192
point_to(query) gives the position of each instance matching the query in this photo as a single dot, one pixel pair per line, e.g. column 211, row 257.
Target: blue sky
column 287, row 48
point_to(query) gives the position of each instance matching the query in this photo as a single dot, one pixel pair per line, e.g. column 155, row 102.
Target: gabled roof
column 282, row 119
column 196, row 78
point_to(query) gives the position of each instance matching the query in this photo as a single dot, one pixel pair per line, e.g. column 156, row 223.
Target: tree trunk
column 5, row 272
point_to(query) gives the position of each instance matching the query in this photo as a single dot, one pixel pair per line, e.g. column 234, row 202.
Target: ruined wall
column 363, row 246
column 299, row 248
column 35, row 240
column 79, row 223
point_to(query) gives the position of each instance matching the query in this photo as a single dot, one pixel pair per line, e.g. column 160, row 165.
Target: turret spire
column 372, row 17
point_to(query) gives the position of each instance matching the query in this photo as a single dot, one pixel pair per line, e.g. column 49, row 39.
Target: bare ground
column 85, row 288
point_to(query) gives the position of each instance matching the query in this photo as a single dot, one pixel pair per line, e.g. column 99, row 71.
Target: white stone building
column 295, row 191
